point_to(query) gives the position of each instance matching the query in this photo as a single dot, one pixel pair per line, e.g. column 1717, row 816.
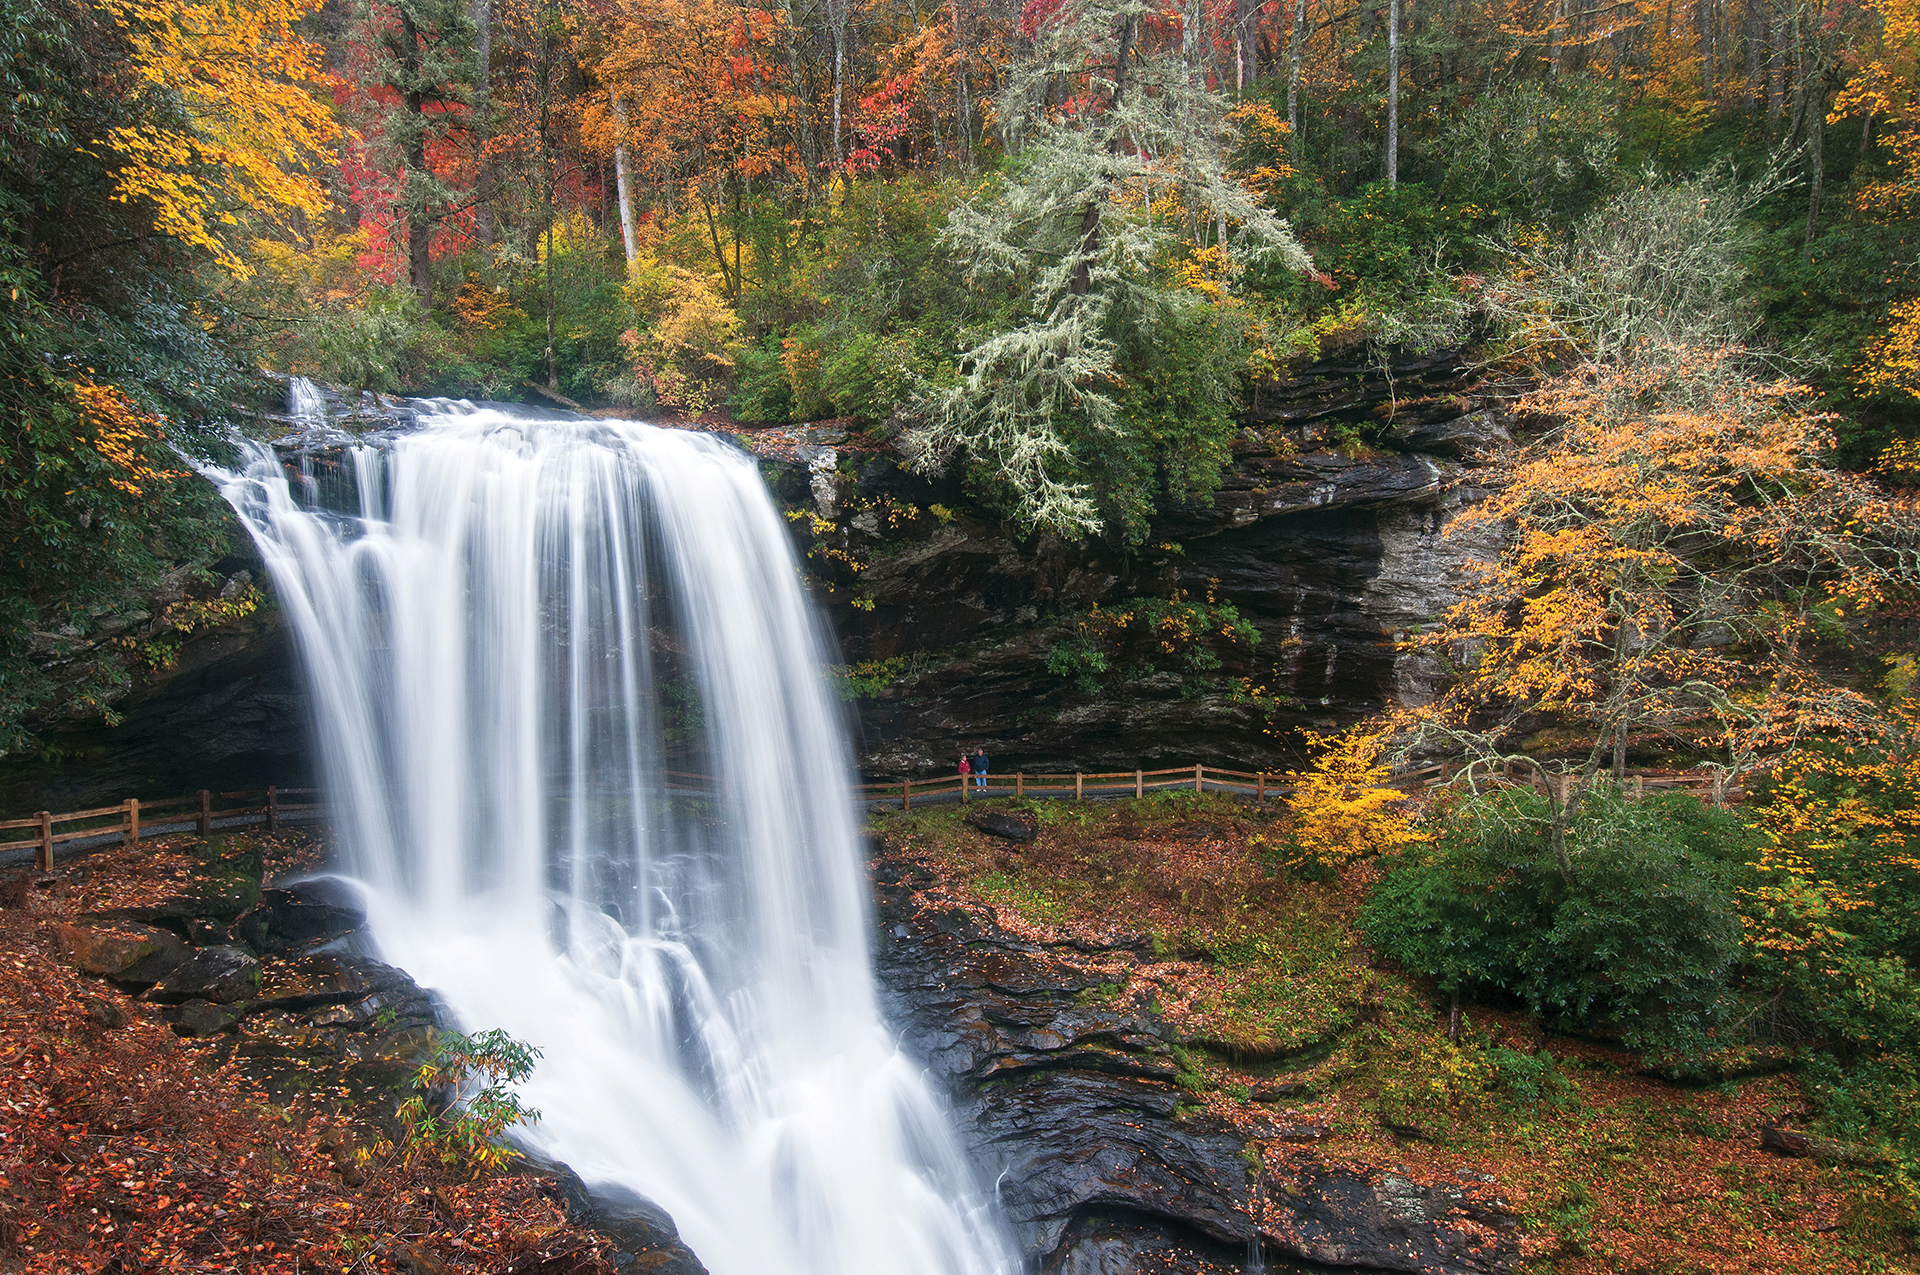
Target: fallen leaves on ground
column 122, row 1149
column 1264, row 980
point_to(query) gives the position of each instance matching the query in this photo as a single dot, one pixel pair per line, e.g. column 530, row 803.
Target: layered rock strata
column 1104, row 1164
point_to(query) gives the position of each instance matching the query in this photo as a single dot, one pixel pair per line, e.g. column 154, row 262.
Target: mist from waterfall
column 579, row 748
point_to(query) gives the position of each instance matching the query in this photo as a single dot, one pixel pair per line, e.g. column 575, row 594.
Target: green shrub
column 463, row 1101
column 1641, row 944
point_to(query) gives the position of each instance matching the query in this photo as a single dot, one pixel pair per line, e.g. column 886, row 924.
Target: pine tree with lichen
column 1120, row 229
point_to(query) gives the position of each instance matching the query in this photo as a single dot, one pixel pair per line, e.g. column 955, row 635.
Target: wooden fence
column 1259, row 785
column 134, row 818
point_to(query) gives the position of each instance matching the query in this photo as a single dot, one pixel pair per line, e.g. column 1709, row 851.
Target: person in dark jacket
column 980, row 768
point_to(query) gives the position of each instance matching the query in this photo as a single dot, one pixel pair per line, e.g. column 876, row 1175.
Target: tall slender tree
column 427, row 53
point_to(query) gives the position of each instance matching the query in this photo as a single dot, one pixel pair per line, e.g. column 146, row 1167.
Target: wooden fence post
column 1639, row 787
column 1198, row 772
column 203, row 820
column 1565, row 783
column 966, row 782
column 130, row 833
column 906, row 794
column 273, row 809
column 1019, row 784
column 1139, row 785
column 1079, row 793
column 45, row 851
column 1260, row 786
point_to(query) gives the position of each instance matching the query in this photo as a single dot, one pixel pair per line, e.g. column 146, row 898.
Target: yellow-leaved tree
column 1341, row 806
column 250, row 128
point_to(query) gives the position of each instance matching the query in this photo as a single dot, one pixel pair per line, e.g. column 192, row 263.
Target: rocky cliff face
column 1333, row 549
column 1104, row 1163
column 1330, row 547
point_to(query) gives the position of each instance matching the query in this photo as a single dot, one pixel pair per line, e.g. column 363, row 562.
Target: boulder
column 222, row 975
column 1011, row 824
column 201, row 1018
column 300, row 916
column 644, row 1236
column 105, row 1012
column 126, row 952
column 200, row 918
column 355, row 993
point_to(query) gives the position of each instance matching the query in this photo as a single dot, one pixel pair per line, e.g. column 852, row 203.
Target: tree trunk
column 482, row 122
column 1393, row 92
column 419, row 223
column 623, row 182
column 1816, row 116
column 803, row 121
column 961, row 87
column 1090, row 219
column 1708, row 52
column 1563, row 799
column 1244, row 13
column 837, row 21
column 1776, row 68
column 414, row 192
column 1296, row 41
column 553, row 365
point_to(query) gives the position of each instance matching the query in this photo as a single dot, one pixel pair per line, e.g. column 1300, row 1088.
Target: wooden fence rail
column 131, row 816
column 1260, row 785
column 134, row 818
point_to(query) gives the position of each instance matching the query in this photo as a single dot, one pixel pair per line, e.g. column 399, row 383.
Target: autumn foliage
column 123, row 1147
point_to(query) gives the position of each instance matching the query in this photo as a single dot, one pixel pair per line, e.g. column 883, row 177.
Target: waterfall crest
column 576, row 734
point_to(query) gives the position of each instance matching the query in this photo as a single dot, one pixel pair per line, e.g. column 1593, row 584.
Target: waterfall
column 304, row 400
column 580, row 751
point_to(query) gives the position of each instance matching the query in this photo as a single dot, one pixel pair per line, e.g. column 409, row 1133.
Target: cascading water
column 305, row 401
column 520, row 644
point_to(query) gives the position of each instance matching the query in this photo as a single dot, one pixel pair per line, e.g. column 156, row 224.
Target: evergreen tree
column 1120, row 230
column 426, row 52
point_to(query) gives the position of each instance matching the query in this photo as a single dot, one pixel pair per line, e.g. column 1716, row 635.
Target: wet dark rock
column 1117, row 1242
column 1013, row 825
column 1333, row 555
column 1344, row 1215
column 1332, row 550
column 127, row 952
column 228, row 714
column 201, row 1018
column 353, row 989
column 105, row 1012
column 1069, row 1099
column 644, row 1236
column 300, row 916
column 1461, row 437
column 222, row 975
column 201, row 918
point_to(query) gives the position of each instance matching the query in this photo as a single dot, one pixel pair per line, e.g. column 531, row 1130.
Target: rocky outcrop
column 1074, row 1105
column 1332, row 548
column 228, row 713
